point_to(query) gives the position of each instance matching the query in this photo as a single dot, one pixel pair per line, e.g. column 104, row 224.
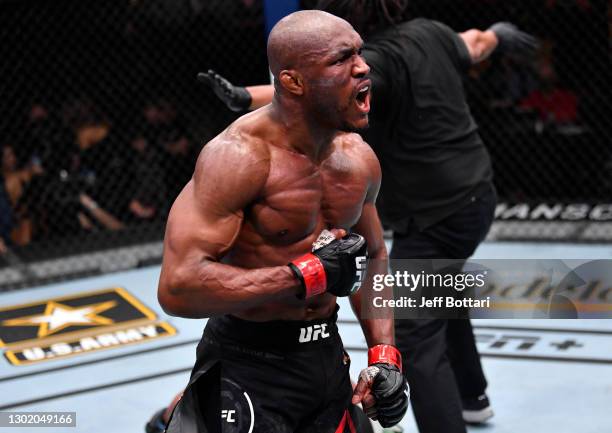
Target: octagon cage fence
column 102, row 119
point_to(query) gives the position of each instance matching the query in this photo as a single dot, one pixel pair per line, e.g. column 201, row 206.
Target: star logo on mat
column 58, row 316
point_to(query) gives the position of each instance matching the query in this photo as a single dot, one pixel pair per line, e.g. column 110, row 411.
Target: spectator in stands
column 100, row 162
column 179, row 159
column 67, row 209
column 47, row 138
column 554, row 104
column 16, row 177
column 6, row 218
column 16, row 180
column 92, row 215
column 38, row 127
column 147, row 188
column 509, row 80
column 161, row 117
column 84, row 189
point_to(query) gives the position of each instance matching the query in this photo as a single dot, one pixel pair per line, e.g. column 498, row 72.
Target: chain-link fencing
column 101, row 119
column 545, row 119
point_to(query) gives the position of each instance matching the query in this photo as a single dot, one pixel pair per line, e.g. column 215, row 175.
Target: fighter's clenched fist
column 382, row 388
column 336, row 267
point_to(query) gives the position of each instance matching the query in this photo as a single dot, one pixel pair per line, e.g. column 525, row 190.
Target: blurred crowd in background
column 74, row 170
column 102, row 118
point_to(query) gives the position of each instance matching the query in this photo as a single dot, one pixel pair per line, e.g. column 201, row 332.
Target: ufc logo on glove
column 360, row 264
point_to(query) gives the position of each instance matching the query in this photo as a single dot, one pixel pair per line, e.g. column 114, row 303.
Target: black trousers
column 440, row 359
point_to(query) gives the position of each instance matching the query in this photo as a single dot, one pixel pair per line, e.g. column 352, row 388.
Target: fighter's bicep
column 199, row 232
column 207, row 216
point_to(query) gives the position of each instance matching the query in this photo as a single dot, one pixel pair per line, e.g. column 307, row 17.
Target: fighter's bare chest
column 300, row 197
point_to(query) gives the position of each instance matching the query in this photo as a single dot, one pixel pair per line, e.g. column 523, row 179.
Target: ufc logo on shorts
column 312, row 333
column 360, row 264
column 228, row 415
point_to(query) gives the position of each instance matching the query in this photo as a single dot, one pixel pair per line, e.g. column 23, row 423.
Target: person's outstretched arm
column 260, row 95
column 502, row 36
column 237, row 98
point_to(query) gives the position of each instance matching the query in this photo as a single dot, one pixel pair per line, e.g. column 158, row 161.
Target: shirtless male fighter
column 238, row 247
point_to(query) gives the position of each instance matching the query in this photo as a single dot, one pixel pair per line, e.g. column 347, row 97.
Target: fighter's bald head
column 301, row 35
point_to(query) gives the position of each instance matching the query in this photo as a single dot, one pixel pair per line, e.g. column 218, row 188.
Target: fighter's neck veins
column 302, row 133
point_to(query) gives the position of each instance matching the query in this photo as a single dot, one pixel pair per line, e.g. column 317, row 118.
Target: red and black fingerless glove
column 389, row 387
column 337, row 267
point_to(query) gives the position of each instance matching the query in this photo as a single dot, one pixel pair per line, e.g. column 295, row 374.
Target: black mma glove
column 336, row 267
column 510, row 38
column 235, row 97
column 388, row 385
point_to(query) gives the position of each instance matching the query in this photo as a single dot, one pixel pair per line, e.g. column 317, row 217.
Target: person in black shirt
column 437, row 192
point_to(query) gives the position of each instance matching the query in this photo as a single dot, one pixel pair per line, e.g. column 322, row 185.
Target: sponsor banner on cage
column 77, row 324
column 533, row 211
column 504, row 289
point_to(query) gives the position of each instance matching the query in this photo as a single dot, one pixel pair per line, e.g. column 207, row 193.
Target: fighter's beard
column 347, row 127
column 329, row 115
column 344, row 111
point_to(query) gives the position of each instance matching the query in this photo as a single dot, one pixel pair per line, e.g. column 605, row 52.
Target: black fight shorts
column 268, row 377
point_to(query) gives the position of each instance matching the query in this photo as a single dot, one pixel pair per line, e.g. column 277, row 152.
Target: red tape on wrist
column 385, row 353
column 313, row 272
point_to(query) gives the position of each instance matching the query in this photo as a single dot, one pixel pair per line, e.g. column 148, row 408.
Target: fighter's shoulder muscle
column 232, row 168
column 360, row 152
